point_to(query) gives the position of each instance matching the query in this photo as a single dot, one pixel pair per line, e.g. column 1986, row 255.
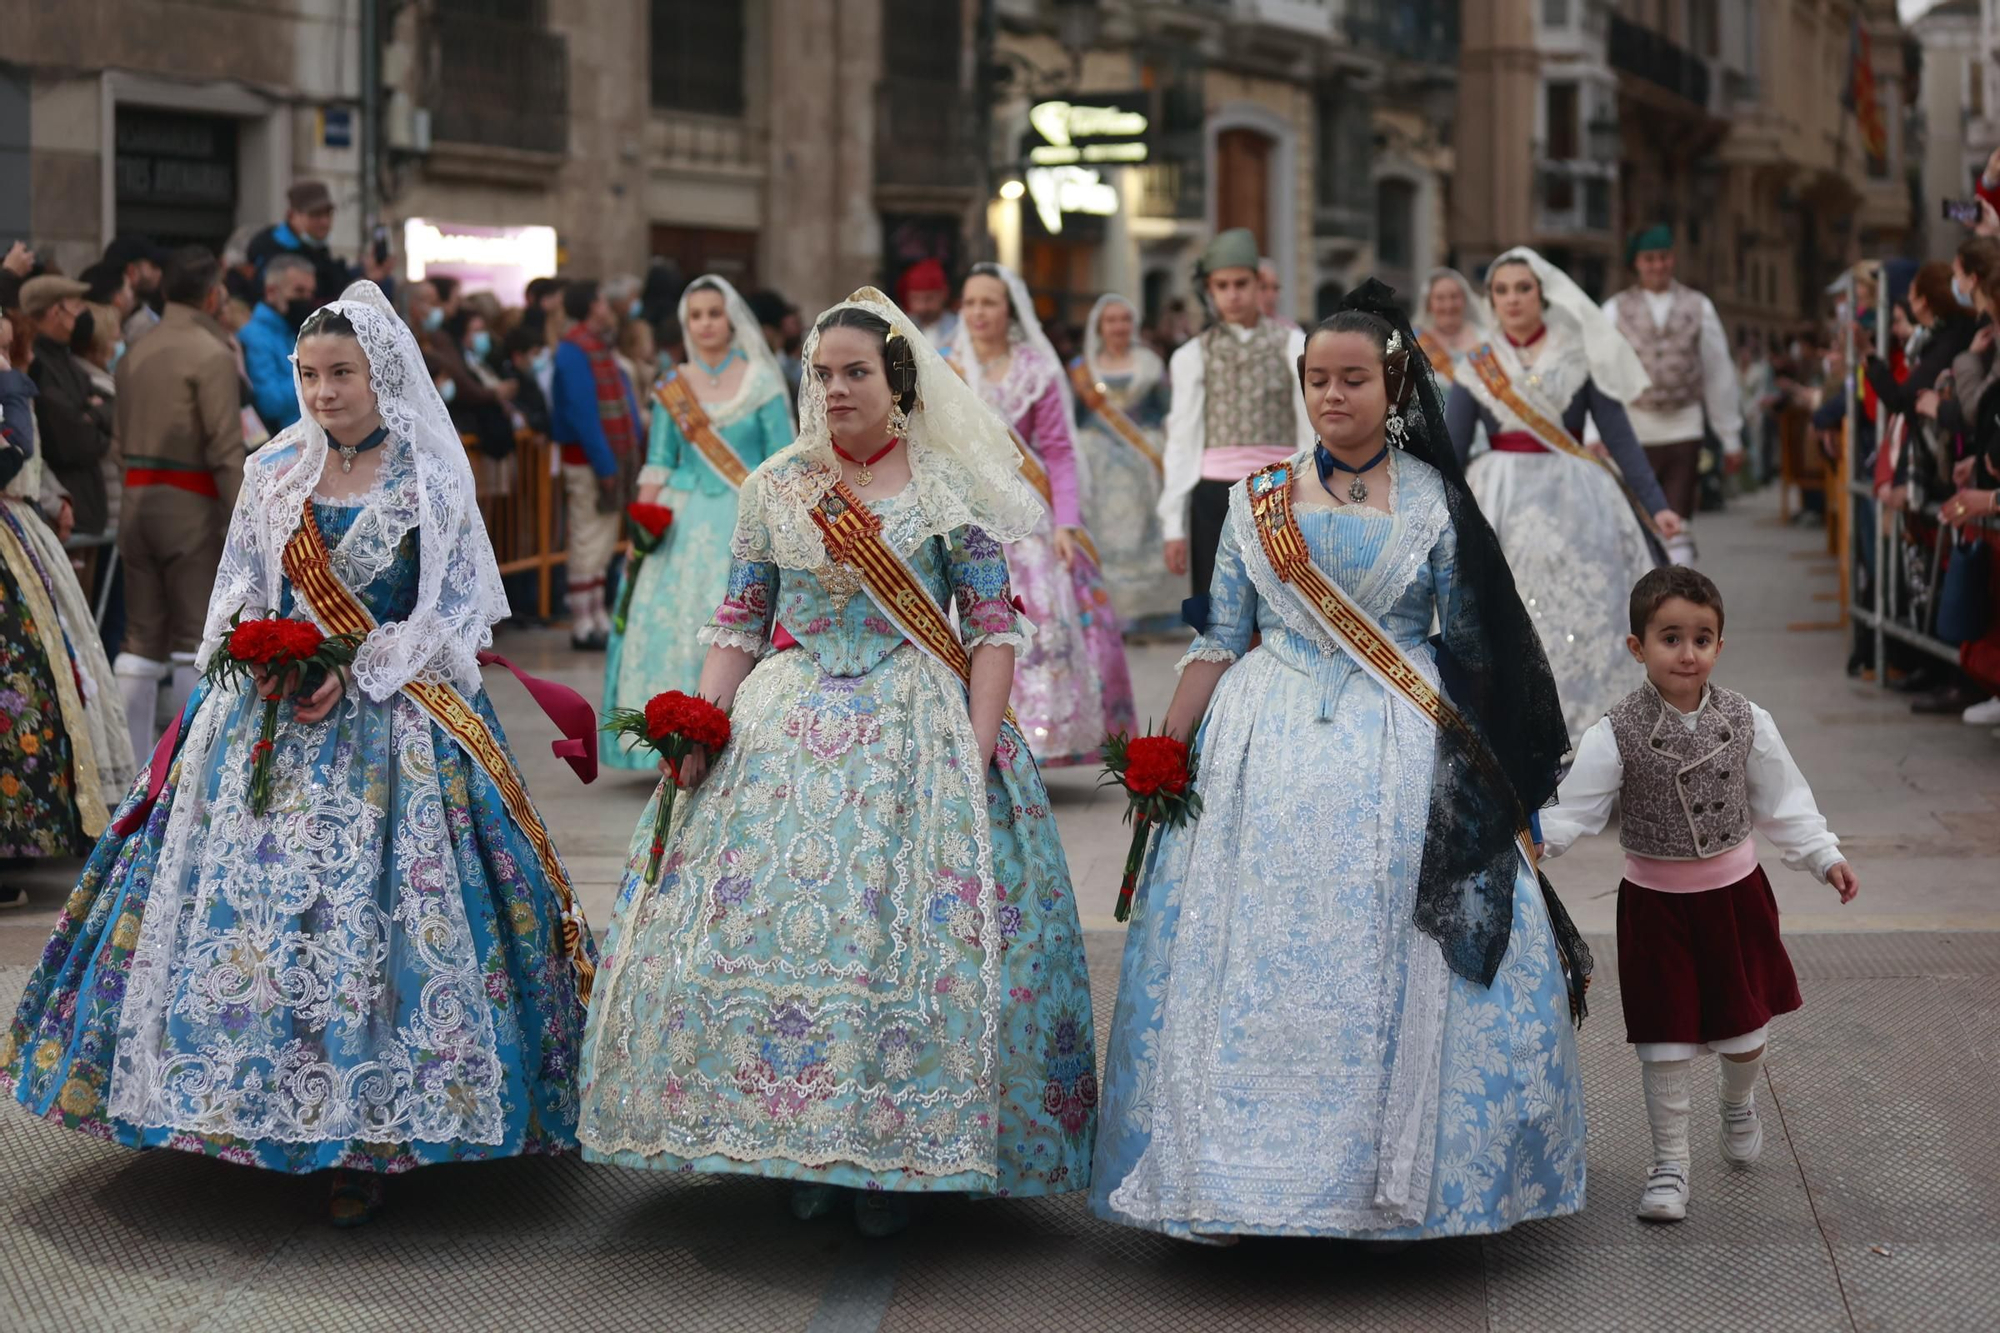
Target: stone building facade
column 1581, row 121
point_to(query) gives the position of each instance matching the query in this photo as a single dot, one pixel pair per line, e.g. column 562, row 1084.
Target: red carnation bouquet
column 647, row 526
column 672, row 724
column 271, row 647
column 1157, row 773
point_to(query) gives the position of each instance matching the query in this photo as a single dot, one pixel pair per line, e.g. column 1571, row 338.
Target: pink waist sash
column 1711, row 872
column 1234, row 462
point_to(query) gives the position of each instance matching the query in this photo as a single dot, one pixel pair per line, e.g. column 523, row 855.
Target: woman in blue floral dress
column 741, row 394
column 860, row 965
column 382, row 971
column 1344, row 1011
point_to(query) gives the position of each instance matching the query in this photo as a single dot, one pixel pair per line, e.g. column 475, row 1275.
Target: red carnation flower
column 1157, row 773
column 673, row 724
column 653, row 519
column 695, row 720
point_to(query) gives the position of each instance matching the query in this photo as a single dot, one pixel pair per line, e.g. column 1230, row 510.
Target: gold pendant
column 841, row 583
column 863, row 477
column 1357, row 491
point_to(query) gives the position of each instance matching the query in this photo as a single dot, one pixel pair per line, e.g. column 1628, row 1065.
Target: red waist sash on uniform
column 194, row 483
column 1517, row 442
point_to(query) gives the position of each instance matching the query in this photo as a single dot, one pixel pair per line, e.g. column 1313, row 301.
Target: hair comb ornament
column 1395, row 344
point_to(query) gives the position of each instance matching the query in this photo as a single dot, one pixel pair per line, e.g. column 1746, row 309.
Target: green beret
column 1235, row 248
column 1659, row 236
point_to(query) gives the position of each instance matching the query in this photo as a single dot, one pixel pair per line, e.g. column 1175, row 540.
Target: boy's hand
column 1843, row 879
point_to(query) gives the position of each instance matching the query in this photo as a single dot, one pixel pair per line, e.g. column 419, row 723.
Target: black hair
column 190, row 275
column 769, row 306
column 326, row 322
column 899, row 362
column 444, row 285
column 1657, row 586
column 527, row 336
column 454, row 325
column 579, row 295
column 541, row 287
column 1396, row 375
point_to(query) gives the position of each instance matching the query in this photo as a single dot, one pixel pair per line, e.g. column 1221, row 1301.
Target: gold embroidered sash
column 1352, row 628
column 309, row 566
column 686, row 410
column 1037, row 476
column 1439, row 354
column 1093, row 395
column 853, row 536
column 1548, row 430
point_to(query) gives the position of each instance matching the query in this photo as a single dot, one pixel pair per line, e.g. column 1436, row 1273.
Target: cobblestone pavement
column 1876, row 1206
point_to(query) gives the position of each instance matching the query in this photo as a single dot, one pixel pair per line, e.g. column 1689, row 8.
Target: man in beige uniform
column 180, row 426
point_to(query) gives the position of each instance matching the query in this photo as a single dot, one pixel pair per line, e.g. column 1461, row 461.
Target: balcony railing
column 926, row 135
column 684, row 139
column 498, row 84
column 1572, row 197
column 1645, row 54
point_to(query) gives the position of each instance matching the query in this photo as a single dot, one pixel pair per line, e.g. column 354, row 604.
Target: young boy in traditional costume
column 1700, row 965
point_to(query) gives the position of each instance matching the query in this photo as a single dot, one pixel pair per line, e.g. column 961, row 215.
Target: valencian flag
column 1859, row 95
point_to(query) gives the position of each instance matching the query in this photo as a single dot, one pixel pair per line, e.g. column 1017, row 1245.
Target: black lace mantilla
column 1495, row 673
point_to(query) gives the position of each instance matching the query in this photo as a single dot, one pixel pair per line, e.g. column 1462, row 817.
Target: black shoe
column 1923, row 680
column 1947, row 702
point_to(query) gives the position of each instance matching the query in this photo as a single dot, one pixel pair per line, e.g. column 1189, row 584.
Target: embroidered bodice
column 389, row 593
column 1141, row 397
column 1397, row 566
column 830, row 615
column 754, row 422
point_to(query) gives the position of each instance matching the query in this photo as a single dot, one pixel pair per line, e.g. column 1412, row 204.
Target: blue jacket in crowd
column 573, row 414
column 267, row 343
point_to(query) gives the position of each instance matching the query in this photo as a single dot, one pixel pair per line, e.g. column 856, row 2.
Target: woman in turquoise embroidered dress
column 861, row 964
column 370, row 976
column 735, row 377
column 1301, row 1046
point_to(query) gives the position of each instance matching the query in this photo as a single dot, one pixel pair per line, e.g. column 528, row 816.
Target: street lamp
column 1012, row 189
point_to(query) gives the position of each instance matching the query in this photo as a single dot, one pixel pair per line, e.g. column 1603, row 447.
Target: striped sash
column 1093, row 396
column 853, row 536
column 1549, row 430
column 686, row 410
column 1437, row 352
column 309, row 566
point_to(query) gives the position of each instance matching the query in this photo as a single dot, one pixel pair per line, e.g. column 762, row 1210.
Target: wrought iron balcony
column 1423, row 32
column 1645, row 54
column 498, row 84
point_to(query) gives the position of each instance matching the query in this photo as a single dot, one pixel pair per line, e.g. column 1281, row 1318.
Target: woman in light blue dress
column 383, row 970
column 1341, row 1014
column 1121, row 482
column 860, row 965
column 741, row 392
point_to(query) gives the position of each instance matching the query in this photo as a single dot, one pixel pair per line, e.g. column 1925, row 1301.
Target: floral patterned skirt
column 1120, row 511
column 38, row 814
column 369, row 975
column 861, row 963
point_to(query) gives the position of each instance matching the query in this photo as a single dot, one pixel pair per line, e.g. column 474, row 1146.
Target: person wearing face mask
column 305, row 231
column 74, row 417
column 268, row 338
column 138, row 265
column 180, row 428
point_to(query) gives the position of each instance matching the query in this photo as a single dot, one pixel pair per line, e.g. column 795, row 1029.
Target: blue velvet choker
column 349, row 452
column 1327, row 464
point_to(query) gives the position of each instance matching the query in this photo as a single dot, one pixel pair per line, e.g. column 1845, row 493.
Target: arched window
column 1395, row 222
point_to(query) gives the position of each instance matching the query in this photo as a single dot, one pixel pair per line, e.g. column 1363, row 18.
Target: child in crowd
column 1700, row 964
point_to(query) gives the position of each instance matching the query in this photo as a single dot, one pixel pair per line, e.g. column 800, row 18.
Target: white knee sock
column 185, row 679
column 1668, row 1088
column 579, row 613
column 139, row 678
column 1739, row 1079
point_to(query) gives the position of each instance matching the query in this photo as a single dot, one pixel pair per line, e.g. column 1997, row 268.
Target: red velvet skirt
column 1701, row 967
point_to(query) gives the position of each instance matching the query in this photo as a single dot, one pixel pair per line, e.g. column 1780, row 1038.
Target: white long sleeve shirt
column 1781, row 801
column 1187, row 425
column 1721, row 395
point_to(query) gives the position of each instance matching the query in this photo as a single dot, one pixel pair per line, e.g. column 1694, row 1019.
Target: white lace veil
column 1023, row 326
column 1147, row 368
column 1478, row 316
column 459, row 595
column 963, row 463
column 1614, row 367
column 746, row 334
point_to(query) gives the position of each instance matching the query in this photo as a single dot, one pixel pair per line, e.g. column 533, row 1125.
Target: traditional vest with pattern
column 1249, row 388
column 1686, row 796
column 1671, row 352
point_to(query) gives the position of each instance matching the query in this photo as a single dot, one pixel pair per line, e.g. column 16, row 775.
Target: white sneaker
column 1982, row 714
column 1666, row 1195
column 1742, row 1132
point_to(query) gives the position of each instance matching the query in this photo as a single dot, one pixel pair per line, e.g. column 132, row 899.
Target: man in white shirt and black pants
column 1680, row 340
column 1236, row 407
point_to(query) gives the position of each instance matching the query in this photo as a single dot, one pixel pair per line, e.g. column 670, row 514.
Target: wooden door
column 1243, row 183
